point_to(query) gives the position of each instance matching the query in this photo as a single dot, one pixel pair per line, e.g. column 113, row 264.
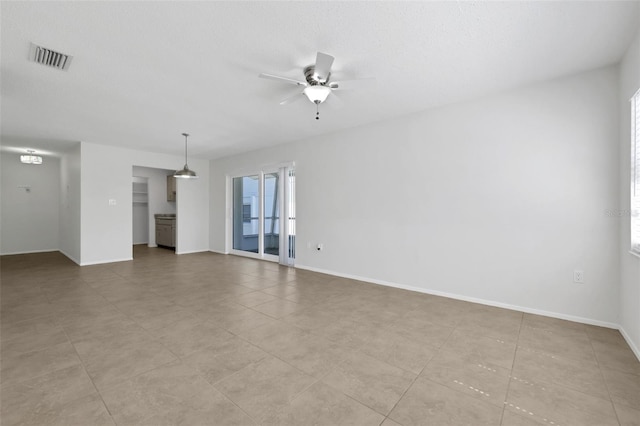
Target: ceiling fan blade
column 291, row 99
column 283, row 79
column 335, row 101
column 323, row 65
column 361, row 83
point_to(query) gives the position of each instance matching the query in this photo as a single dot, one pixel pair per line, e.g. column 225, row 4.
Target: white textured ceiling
column 144, row 72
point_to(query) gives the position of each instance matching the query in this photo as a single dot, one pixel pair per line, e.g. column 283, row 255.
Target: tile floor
column 207, row 339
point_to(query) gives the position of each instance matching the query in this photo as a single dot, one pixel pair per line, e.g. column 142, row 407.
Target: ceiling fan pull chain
column 317, row 110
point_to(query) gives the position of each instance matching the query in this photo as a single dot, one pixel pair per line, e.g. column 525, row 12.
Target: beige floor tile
column 264, row 388
column 22, row 402
column 576, row 346
column 468, row 374
column 487, row 350
column 389, row 422
column 280, row 290
column 33, row 327
column 240, row 321
column 183, row 341
column 429, row 403
column 310, row 319
column 408, row 354
column 223, row 359
column 582, row 376
column 117, row 360
column 17, row 366
column 311, row 354
column 347, row 332
column 277, row 308
column 416, row 328
column 509, row 418
column 627, row 416
column 493, row 322
column 623, row 387
column 29, row 342
column 103, row 328
column 253, row 298
column 89, row 410
column 25, row 311
column 441, row 311
column 160, row 321
column 551, row 403
column 255, row 283
column 616, row 357
column 205, row 408
column 374, row 383
column 555, row 325
column 322, row 405
column 271, row 355
column 88, row 317
column 605, row 335
column 170, row 388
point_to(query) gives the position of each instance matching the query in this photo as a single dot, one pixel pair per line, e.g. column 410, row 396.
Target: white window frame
column 635, row 175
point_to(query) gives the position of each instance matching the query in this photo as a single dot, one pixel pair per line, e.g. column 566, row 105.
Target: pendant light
column 185, row 173
column 31, row 158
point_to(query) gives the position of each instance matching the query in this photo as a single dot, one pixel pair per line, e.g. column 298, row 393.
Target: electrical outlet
column 578, row 276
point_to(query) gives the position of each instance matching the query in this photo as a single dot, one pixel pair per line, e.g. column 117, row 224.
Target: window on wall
column 635, row 173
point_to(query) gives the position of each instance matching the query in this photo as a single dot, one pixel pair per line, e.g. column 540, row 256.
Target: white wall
column 29, row 216
column 157, row 196
column 70, row 206
column 107, row 229
column 629, row 265
column 192, row 211
column 495, row 200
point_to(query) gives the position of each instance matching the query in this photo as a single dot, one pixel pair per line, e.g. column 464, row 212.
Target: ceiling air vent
column 49, row 57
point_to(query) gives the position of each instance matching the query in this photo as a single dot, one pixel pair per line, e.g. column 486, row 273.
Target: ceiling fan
column 318, row 85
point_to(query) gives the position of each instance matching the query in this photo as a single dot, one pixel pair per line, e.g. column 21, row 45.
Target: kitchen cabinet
column 166, row 232
column 171, row 188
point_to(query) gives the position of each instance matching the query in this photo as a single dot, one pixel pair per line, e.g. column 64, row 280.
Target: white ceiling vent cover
column 49, row 57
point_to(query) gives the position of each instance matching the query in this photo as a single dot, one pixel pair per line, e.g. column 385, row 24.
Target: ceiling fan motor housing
column 314, row 79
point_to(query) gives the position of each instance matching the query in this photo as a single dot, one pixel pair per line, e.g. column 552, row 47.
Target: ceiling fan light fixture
column 185, row 173
column 317, row 93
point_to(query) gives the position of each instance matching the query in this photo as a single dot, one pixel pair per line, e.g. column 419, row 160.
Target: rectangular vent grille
column 49, row 57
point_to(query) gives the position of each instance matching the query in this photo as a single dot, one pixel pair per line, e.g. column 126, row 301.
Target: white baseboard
column 100, row 262
column 28, row 252
column 192, row 251
column 467, row 298
column 630, row 342
column 218, row 251
column 73, row 259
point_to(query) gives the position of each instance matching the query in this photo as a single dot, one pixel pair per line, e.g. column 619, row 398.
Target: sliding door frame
column 282, row 222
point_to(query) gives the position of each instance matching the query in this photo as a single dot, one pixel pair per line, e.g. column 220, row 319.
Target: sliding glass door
column 246, row 213
column 271, row 228
column 259, row 229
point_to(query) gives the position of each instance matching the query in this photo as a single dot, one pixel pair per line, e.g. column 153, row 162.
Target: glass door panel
column 246, row 213
column 271, row 228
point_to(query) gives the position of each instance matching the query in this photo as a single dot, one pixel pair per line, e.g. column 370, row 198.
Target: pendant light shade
column 185, row 173
column 31, row 158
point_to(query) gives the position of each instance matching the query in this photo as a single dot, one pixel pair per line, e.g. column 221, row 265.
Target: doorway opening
column 152, row 195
